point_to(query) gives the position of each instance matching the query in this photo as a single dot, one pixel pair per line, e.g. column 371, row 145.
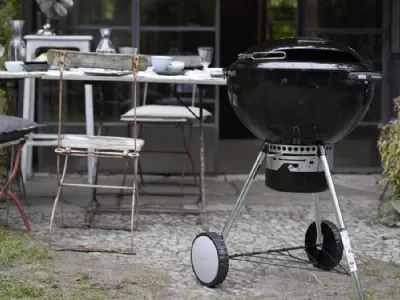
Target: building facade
column 371, row 27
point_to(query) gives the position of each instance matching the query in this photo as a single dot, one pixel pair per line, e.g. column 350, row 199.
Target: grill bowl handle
column 368, row 76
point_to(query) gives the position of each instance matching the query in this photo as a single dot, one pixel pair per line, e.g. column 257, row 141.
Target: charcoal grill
column 299, row 96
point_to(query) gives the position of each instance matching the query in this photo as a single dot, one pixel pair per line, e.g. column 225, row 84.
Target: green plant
column 9, row 10
column 389, row 149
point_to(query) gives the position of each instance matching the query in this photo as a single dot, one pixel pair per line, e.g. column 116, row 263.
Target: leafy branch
column 389, row 149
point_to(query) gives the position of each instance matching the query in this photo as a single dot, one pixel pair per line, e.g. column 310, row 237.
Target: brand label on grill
column 349, row 252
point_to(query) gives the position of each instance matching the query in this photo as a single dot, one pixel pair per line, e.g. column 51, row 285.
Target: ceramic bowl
column 176, row 66
column 14, row 66
column 128, row 50
column 160, row 63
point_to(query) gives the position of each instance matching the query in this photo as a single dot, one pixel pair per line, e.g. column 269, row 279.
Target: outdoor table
column 150, row 77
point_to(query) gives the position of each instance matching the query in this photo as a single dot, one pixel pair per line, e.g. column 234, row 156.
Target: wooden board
column 76, row 59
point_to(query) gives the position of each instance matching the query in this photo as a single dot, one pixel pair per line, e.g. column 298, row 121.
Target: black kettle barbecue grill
column 299, row 96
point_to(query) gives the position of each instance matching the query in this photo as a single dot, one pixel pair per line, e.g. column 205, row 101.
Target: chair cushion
column 14, row 128
column 166, row 112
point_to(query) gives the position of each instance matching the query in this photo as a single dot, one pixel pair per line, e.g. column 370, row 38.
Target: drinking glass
column 206, row 55
column 105, row 45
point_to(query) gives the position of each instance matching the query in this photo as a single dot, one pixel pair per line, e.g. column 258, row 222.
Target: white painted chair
column 98, row 147
column 181, row 116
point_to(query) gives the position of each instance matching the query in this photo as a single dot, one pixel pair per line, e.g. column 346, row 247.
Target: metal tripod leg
column 243, row 193
column 318, row 220
column 343, row 231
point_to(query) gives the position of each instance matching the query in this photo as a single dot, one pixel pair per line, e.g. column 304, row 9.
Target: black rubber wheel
column 330, row 254
column 210, row 259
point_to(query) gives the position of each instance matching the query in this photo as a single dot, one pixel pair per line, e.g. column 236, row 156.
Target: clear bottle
column 17, row 46
column 105, row 45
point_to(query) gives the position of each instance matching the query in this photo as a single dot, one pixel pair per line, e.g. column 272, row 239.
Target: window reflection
column 344, row 13
column 367, row 45
column 282, row 18
column 174, row 42
column 178, row 12
column 101, row 12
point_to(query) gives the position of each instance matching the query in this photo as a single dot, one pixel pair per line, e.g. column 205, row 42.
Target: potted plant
column 389, row 149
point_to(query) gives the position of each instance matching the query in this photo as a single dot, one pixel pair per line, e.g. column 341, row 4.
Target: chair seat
column 101, row 142
column 186, row 100
column 161, row 113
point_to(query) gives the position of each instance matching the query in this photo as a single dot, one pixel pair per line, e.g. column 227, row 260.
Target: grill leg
column 317, row 208
column 243, row 193
column 343, row 231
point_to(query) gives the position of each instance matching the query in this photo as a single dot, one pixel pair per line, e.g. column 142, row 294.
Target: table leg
column 202, row 199
column 89, row 112
column 28, row 112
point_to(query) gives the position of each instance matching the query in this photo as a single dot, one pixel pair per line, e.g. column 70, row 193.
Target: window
column 282, row 18
column 177, row 13
column 344, row 13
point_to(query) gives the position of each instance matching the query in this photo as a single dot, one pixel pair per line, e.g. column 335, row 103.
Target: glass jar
column 105, row 45
column 17, row 47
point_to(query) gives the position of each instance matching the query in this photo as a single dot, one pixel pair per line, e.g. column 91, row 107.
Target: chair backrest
column 76, row 59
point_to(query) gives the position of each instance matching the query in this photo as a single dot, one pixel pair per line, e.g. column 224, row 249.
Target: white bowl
column 128, row 50
column 176, row 66
column 14, row 66
column 160, row 63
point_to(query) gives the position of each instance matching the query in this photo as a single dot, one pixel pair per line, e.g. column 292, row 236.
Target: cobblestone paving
column 268, row 220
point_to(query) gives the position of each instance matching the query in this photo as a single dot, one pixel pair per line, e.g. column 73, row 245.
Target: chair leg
column 60, row 186
column 22, row 187
column 138, row 162
column 129, row 133
column 89, row 213
column 187, row 142
column 6, row 188
column 134, row 209
column 182, row 127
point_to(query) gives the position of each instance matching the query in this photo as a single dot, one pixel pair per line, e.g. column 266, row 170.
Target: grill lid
column 302, row 50
column 306, row 54
column 301, row 91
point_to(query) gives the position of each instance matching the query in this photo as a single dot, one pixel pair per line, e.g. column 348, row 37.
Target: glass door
column 364, row 31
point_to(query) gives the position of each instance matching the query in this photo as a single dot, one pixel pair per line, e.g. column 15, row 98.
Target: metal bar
column 202, row 199
column 346, row 31
column 217, row 89
column 97, row 186
column 342, row 226
column 386, row 103
column 317, row 208
column 118, row 124
column 149, row 209
column 96, row 154
column 178, row 28
column 243, row 193
column 266, row 251
column 84, row 27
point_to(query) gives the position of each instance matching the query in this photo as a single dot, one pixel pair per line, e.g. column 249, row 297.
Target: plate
column 103, row 72
column 171, row 73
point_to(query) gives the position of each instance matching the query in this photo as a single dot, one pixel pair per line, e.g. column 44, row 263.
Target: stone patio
column 269, row 219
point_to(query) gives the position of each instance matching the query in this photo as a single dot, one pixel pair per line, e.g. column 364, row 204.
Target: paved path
column 269, row 219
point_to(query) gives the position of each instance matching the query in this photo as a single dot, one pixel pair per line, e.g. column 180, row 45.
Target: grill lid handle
column 369, row 76
column 270, row 55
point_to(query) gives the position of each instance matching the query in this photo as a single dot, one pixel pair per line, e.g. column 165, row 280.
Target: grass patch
column 18, row 247
column 11, row 288
column 395, row 275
